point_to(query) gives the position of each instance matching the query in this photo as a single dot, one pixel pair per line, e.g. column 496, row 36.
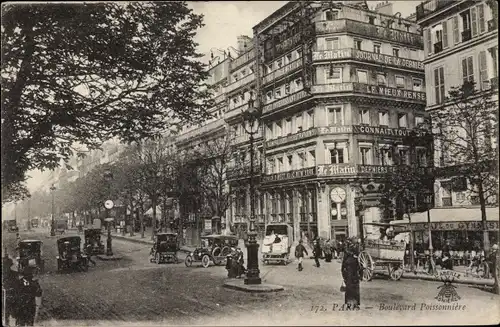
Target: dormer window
column 331, row 14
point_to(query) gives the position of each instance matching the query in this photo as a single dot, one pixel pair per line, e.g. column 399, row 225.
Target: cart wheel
column 188, row 261
column 216, row 252
column 483, row 270
column 395, row 271
column 366, row 264
column 225, row 251
column 205, row 261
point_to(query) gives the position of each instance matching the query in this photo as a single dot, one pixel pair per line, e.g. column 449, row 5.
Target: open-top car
column 93, row 242
column 276, row 244
column 70, row 254
column 165, row 248
column 30, row 255
column 214, row 248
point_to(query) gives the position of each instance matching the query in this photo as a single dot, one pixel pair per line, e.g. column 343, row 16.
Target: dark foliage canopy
column 83, row 73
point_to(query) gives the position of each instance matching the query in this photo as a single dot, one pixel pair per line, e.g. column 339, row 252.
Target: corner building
column 339, row 88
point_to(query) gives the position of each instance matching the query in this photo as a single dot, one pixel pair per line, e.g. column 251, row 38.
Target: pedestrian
column 299, row 254
column 351, row 274
column 316, row 251
column 88, row 253
column 28, row 298
column 328, row 251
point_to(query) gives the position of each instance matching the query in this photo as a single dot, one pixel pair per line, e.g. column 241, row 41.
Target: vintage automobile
column 276, row 244
column 70, row 254
column 93, row 238
column 30, row 255
column 61, row 226
column 165, row 248
column 10, row 226
column 214, row 248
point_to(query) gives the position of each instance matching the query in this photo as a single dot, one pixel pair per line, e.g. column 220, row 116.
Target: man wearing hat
column 299, row 253
column 28, row 297
column 351, row 273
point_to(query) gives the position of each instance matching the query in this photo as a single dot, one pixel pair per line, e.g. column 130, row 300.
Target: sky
column 224, row 21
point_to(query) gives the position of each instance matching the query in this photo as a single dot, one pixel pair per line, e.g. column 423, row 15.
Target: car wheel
column 188, row 261
column 205, row 261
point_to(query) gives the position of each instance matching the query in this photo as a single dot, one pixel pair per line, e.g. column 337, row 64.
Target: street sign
column 109, row 204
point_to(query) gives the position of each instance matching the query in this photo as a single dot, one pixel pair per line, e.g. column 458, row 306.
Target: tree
column 83, row 73
column 467, row 128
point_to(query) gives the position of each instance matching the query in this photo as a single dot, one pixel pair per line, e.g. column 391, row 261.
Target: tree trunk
column 153, row 223
column 141, row 217
column 164, row 214
column 132, row 217
column 482, row 203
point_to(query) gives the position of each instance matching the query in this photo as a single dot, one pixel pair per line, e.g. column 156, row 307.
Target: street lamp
column 29, row 212
column 52, row 223
column 428, row 202
column 108, row 177
column 251, row 116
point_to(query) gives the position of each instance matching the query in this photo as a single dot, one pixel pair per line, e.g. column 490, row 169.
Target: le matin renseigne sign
column 392, row 92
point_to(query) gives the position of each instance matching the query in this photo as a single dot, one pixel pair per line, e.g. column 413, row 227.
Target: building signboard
column 367, row 56
column 386, row 131
column 352, row 170
column 391, row 92
column 334, row 130
column 306, row 172
column 452, row 225
column 334, row 87
column 337, row 170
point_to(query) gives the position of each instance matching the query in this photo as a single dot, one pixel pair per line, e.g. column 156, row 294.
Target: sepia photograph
column 250, row 163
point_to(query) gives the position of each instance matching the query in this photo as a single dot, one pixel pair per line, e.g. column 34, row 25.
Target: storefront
column 462, row 227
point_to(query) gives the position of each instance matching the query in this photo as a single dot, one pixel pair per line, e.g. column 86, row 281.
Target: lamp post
column 428, row 202
column 251, row 116
column 108, row 176
column 29, row 212
column 52, row 231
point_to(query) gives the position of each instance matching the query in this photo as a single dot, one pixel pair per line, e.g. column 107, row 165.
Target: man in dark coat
column 351, row 274
column 317, row 251
column 299, row 254
column 9, row 278
column 28, row 298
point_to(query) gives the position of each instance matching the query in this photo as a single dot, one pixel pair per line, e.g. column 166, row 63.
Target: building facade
column 339, row 89
column 460, row 44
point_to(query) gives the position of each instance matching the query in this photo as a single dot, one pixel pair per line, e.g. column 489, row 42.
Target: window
column 289, row 160
column 400, row 82
column 334, row 74
column 466, row 20
column 235, row 77
column 277, row 129
column 445, row 34
column 277, row 93
column 381, row 79
column 493, row 54
column 362, row 76
column 337, row 156
column 386, row 156
column 269, row 95
column 421, row 157
column 364, row 117
column 271, row 166
column 439, row 85
column 331, row 14
column 298, row 83
column 288, row 126
column 371, row 20
column 269, row 68
column 334, row 116
column 419, row 120
column 403, row 120
column 365, row 155
column 395, row 52
column 243, row 73
column 310, row 119
column 357, row 44
column 279, row 63
column 468, row 69
column 483, row 71
column 311, row 158
column 287, row 88
column 288, row 58
column 302, row 160
column 298, row 123
column 417, row 84
column 403, row 157
column 376, row 47
column 242, row 97
column 280, row 164
column 480, row 18
column 332, row 43
column 383, row 118
column 456, row 32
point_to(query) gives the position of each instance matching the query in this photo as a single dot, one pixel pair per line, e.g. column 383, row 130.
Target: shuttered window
column 428, row 40
column 439, row 84
column 445, row 34
column 468, row 69
column 481, row 21
column 456, row 31
column 473, row 13
column 483, row 71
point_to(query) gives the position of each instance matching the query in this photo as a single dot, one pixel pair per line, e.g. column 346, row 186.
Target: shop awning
column 452, row 219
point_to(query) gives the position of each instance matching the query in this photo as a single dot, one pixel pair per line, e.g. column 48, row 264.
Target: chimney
column 244, row 43
column 384, row 8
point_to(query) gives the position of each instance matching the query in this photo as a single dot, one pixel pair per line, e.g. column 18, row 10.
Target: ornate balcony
column 244, row 81
column 366, row 56
column 286, row 101
column 369, row 30
column 294, row 65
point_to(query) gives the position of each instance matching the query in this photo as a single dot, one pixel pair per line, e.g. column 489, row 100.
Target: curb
column 239, row 285
column 143, row 241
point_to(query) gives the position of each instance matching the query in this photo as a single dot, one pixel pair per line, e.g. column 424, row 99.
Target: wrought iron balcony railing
column 294, row 65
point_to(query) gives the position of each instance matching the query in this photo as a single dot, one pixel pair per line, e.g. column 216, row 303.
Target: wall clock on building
column 337, row 195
